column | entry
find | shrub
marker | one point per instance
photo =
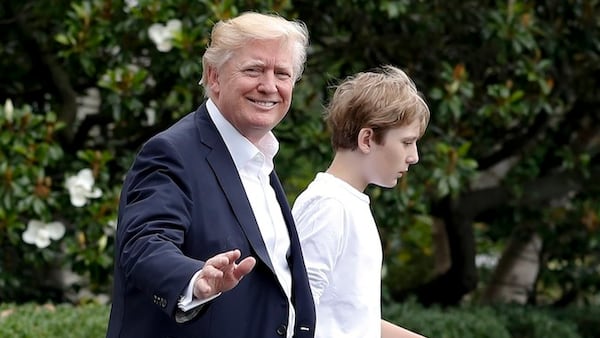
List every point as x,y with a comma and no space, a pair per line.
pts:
507,321
585,318
57,211
498,321
530,322
65,321
451,323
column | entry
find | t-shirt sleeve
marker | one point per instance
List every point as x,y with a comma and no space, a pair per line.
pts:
320,225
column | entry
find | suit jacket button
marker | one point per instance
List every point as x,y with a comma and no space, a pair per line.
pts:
282,330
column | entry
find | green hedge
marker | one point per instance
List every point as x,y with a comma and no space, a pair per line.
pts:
455,323
587,319
49,321
90,320
504,321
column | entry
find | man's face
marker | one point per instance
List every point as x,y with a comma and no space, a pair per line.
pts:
253,89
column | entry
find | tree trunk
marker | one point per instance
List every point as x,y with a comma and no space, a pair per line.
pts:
514,278
459,275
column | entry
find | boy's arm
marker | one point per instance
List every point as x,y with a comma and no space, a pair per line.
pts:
389,330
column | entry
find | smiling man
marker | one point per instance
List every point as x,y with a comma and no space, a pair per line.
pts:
253,90
206,243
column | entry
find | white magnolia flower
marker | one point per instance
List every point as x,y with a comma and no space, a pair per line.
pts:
130,4
486,260
81,188
111,227
150,116
163,35
40,233
9,109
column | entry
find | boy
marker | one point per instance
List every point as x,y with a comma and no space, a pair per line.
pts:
375,119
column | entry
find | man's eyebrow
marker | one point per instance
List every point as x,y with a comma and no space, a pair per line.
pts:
252,63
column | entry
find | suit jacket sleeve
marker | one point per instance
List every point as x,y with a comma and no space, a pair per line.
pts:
154,220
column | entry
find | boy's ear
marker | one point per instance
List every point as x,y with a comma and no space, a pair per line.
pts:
365,137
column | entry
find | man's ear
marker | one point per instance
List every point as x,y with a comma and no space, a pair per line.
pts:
365,138
213,80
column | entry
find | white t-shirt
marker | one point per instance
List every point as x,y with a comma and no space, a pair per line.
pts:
343,256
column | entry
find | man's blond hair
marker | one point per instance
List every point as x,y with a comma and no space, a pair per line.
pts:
229,35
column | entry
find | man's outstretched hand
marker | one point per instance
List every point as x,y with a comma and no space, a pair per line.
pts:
221,273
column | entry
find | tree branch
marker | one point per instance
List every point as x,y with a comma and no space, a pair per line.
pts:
44,63
540,190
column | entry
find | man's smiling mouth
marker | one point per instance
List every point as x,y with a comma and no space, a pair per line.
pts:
267,104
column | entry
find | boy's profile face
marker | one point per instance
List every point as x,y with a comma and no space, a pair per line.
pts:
390,159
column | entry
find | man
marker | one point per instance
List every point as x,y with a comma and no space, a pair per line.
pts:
206,244
375,119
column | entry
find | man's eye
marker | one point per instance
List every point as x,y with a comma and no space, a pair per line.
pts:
252,71
283,75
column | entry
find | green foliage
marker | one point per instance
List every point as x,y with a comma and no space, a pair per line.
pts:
33,184
49,320
506,321
571,271
510,321
505,81
454,324
535,323
585,318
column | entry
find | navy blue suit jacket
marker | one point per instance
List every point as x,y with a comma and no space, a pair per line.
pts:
183,202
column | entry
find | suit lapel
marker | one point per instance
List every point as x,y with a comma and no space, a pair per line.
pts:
301,293
224,169
294,258
283,204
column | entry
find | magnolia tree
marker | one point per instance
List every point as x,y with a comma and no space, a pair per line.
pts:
112,74
58,213
508,165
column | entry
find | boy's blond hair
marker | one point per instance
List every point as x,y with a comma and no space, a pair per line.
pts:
381,99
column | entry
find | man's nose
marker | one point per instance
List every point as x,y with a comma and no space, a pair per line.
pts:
267,83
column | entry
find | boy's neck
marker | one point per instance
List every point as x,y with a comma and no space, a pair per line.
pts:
346,166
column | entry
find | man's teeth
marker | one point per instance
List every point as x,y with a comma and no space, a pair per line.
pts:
265,103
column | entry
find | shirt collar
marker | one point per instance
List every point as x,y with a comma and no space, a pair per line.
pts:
241,149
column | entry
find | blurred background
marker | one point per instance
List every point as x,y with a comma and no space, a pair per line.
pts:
502,209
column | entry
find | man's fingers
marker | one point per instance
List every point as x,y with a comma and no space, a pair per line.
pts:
224,264
244,267
223,259
210,271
